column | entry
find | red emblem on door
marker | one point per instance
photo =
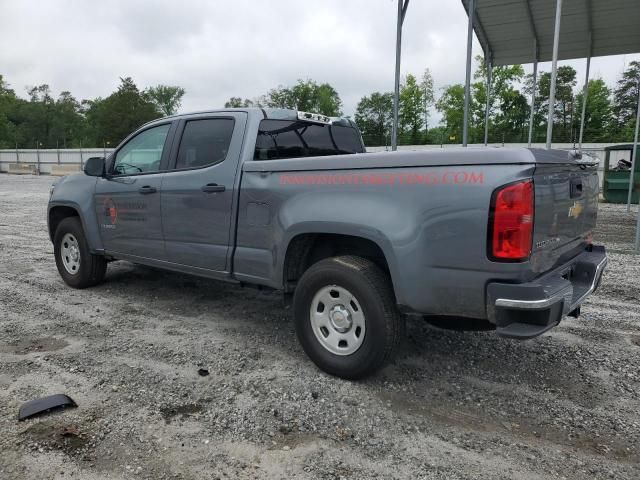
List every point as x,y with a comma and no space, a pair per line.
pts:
110,210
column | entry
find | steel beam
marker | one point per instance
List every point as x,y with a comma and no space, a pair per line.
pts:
533,95
633,155
532,24
536,56
585,94
633,170
489,65
554,72
402,11
467,82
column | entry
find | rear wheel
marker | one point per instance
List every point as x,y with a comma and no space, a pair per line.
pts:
346,317
76,265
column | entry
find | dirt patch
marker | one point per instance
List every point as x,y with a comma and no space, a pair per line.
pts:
26,346
180,411
54,435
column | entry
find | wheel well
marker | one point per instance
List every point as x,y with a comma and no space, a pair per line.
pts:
56,215
306,249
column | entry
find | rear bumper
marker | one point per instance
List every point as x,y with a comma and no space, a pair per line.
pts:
526,310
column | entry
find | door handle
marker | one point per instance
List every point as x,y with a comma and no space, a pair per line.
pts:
147,190
213,187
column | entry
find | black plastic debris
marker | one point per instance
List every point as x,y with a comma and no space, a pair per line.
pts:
45,405
203,372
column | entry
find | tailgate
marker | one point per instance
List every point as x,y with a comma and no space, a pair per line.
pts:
566,206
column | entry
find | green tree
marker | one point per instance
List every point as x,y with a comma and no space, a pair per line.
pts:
451,106
8,102
507,106
564,108
625,102
113,118
42,121
411,114
597,120
374,116
307,96
70,124
438,135
35,119
428,96
166,98
508,109
238,102
511,120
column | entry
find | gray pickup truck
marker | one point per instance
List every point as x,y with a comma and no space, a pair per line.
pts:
290,201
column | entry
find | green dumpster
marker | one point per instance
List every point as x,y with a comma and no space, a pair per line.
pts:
617,168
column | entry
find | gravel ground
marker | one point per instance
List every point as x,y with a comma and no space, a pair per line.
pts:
453,405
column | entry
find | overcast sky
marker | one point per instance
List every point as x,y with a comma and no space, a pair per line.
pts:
218,49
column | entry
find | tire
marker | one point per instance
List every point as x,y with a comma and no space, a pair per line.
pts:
76,265
327,321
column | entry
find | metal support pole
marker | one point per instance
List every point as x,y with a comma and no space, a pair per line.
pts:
467,82
585,94
486,111
402,10
17,154
38,155
533,97
58,151
554,73
81,161
633,170
638,232
635,152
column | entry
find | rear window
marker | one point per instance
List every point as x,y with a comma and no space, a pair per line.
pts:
294,139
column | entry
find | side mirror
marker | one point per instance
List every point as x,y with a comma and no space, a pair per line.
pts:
94,166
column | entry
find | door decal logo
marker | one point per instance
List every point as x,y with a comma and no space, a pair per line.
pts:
110,210
575,210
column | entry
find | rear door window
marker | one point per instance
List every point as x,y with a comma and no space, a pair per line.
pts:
294,139
204,142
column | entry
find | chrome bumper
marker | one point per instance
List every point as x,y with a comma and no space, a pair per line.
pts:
527,310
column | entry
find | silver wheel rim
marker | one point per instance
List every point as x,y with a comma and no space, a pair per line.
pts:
337,320
70,253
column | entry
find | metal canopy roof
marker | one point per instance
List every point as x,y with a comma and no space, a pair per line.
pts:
509,29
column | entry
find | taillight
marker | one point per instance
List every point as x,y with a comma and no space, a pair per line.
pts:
511,222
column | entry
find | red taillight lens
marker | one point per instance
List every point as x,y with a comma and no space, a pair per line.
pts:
512,222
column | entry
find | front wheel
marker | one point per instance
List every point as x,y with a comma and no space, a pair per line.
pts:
345,316
76,265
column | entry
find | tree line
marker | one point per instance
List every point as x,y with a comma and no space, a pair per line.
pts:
609,117
304,95
47,122
42,121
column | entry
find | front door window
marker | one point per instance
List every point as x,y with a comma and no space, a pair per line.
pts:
142,153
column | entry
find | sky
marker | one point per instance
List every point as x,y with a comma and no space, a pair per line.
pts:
217,49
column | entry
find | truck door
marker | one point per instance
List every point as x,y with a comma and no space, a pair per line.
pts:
198,191
127,201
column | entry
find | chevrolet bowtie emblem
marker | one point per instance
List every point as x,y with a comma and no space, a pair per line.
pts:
575,210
